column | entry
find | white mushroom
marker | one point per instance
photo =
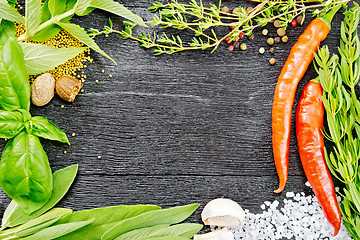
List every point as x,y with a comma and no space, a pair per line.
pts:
222,234
223,212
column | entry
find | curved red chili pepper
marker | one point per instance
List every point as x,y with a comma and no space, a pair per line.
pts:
301,55
309,126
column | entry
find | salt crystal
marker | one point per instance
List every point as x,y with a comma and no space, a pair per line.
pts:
290,194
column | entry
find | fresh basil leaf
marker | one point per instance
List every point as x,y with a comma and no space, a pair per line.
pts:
25,173
14,84
148,219
166,238
10,13
58,230
63,179
7,30
118,9
32,16
141,233
105,218
57,7
79,33
41,58
36,228
11,123
42,127
82,7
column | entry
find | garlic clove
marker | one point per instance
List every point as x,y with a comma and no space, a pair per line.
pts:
222,234
223,212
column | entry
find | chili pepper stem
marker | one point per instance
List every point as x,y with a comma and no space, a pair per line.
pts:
327,18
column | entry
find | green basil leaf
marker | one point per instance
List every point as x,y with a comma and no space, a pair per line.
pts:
41,58
58,230
105,218
141,233
25,173
12,2
166,238
148,219
82,7
57,7
79,33
10,13
32,16
63,179
11,123
14,84
42,127
7,30
37,227
118,9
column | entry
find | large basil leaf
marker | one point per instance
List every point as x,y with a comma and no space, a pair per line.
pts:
149,219
118,9
11,123
63,179
25,173
14,84
79,33
10,13
41,58
82,7
105,218
42,127
7,30
57,7
32,16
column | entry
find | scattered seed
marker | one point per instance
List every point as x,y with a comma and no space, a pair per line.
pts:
228,40
281,32
82,90
270,41
249,10
110,75
82,80
96,81
284,39
106,35
62,106
225,10
300,20
243,46
235,11
277,23
99,157
293,23
73,134
251,37
272,61
236,45
261,50
231,47
272,50
65,152
265,32
277,40
103,71
241,35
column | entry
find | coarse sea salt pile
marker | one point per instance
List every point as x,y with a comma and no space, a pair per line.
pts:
299,217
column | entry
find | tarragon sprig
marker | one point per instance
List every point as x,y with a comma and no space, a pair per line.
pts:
338,77
203,21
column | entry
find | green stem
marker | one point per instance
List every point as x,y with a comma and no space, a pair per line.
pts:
327,18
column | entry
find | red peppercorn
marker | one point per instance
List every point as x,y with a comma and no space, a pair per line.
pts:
231,47
231,27
241,35
293,23
228,40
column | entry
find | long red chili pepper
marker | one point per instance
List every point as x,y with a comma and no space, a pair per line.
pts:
309,126
301,55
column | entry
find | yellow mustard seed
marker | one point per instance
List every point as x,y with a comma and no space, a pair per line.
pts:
103,71
73,134
110,75
62,106
65,152
82,90
96,81
99,157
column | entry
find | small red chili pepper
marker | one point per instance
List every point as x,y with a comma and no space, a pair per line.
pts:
231,47
293,23
241,35
228,40
309,126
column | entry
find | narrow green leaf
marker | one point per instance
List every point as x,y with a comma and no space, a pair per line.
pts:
63,179
37,227
166,238
157,217
118,9
7,30
25,173
41,58
42,127
14,84
32,16
79,33
105,218
10,13
58,230
11,123
141,233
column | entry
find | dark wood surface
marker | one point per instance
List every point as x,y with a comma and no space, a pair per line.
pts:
174,129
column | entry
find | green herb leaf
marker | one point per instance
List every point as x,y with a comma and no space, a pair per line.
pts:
148,219
82,7
118,9
105,218
37,227
11,123
58,230
41,58
14,84
7,30
42,127
10,13
63,179
79,33
57,7
25,173
32,16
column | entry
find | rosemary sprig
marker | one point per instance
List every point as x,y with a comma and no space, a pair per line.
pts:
339,76
202,22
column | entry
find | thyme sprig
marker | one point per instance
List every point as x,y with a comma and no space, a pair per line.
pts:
338,77
202,21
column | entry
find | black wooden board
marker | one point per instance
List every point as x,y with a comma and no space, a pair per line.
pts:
174,129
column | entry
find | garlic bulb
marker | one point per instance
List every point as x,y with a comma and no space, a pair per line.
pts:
223,212
222,234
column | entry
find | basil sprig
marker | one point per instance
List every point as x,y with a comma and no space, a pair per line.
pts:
25,173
